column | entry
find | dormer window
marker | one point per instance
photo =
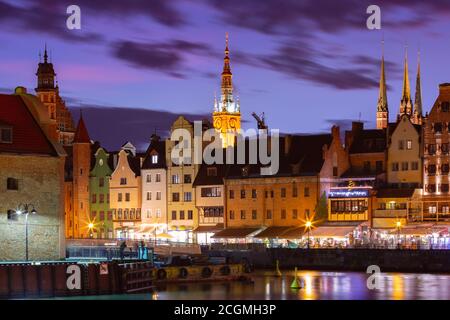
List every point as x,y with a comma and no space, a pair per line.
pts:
154,158
5,135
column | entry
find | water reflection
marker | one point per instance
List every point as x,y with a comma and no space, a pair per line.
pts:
317,285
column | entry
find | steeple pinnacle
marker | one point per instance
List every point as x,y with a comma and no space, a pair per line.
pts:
406,103
382,104
45,54
418,96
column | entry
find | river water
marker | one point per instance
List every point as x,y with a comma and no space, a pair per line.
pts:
316,285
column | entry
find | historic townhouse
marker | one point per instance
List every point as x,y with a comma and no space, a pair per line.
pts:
31,180
209,200
154,189
101,214
125,195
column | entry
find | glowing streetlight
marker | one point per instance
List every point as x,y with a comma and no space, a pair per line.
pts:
398,225
91,228
24,209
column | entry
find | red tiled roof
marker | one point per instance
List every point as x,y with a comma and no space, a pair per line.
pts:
27,135
81,134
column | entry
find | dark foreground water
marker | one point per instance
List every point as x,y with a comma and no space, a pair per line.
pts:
316,285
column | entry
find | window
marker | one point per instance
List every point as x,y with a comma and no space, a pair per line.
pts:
211,192
269,214
242,214
306,192
445,106
174,215
188,196
283,214
127,197
110,215
283,192
123,181
158,213
5,135
211,172
102,215
175,197
181,214
158,195
231,215
405,165
431,148
294,214
444,148
431,188
414,165
158,177
254,193
12,184
149,178
444,187
242,194
294,191
395,166
187,178
175,179
119,197
271,193
408,144
93,215
149,213
190,215
401,145
149,196
101,182
432,209
154,158
431,169
307,213
335,171
102,198
437,127
254,214
231,195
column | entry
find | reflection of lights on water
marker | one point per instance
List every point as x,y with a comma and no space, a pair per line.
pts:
267,289
308,286
398,287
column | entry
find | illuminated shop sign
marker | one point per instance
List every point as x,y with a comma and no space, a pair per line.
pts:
348,193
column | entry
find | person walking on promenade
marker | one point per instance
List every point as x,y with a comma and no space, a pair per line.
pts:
123,246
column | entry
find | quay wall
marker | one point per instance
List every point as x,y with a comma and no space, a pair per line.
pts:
433,261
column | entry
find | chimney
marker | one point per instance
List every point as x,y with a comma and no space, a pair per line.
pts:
336,133
444,91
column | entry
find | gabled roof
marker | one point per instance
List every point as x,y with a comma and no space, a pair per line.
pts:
27,135
203,179
158,147
369,141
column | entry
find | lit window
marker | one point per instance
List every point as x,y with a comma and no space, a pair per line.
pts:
155,158
409,144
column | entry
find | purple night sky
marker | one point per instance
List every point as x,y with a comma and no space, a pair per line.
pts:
135,65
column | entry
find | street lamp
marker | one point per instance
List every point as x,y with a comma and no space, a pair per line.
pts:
91,228
398,225
24,209
308,226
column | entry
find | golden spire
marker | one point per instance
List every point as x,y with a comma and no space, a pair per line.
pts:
382,96
406,92
227,86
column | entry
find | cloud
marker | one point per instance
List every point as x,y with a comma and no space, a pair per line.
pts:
113,126
166,57
294,18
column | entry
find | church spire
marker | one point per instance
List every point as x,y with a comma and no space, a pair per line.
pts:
382,105
45,54
226,83
406,103
418,97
